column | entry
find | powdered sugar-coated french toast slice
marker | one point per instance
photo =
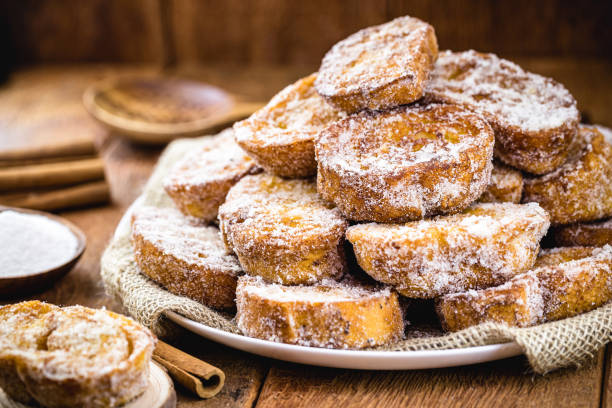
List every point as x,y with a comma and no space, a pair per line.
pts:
344,315
484,246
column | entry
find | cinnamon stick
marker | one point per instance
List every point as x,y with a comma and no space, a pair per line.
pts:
67,197
199,377
83,147
51,174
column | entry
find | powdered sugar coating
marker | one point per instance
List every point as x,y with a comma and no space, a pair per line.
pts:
534,118
380,66
585,234
404,164
506,185
200,181
564,282
606,132
484,246
282,230
186,257
330,314
104,357
280,136
517,302
583,184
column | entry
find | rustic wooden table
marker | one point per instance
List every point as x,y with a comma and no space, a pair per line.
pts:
254,381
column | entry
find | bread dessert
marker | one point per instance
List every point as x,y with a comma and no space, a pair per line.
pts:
564,283
583,184
280,136
535,118
585,234
517,302
186,257
283,231
379,67
506,185
404,164
72,356
484,246
199,182
344,315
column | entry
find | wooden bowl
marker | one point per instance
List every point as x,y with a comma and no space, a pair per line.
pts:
14,286
157,110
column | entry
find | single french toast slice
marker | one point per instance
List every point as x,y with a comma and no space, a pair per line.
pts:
585,234
574,280
564,282
73,356
200,181
184,256
506,185
581,189
280,136
343,315
283,231
535,118
406,163
379,67
517,302
484,246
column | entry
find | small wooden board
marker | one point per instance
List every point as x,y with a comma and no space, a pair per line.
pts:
159,394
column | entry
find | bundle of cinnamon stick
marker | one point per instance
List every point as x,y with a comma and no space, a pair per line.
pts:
53,177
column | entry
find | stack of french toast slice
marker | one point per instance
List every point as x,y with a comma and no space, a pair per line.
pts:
439,173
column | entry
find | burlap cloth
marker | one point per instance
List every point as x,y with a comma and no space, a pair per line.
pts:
548,346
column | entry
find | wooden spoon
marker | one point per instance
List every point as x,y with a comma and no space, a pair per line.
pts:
21,285
155,110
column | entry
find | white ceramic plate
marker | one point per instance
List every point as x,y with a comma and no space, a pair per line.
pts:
354,359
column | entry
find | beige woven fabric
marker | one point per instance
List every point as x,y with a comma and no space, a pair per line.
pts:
548,347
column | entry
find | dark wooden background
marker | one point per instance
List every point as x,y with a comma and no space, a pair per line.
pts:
269,32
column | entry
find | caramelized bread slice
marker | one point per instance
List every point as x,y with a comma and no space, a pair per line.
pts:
379,67
585,234
280,136
535,118
184,256
564,283
73,356
344,315
200,181
406,163
484,246
581,189
283,231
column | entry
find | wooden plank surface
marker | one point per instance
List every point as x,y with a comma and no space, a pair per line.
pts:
503,383
606,391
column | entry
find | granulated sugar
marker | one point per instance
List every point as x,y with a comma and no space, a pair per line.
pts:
33,243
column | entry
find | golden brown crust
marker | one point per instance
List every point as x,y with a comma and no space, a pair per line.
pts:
585,234
581,189
280,136
506,185
73,356
515,303
283,231
199,183
535,118
404,164
379,67
581,282
331,314
484,246
187,258
564,283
